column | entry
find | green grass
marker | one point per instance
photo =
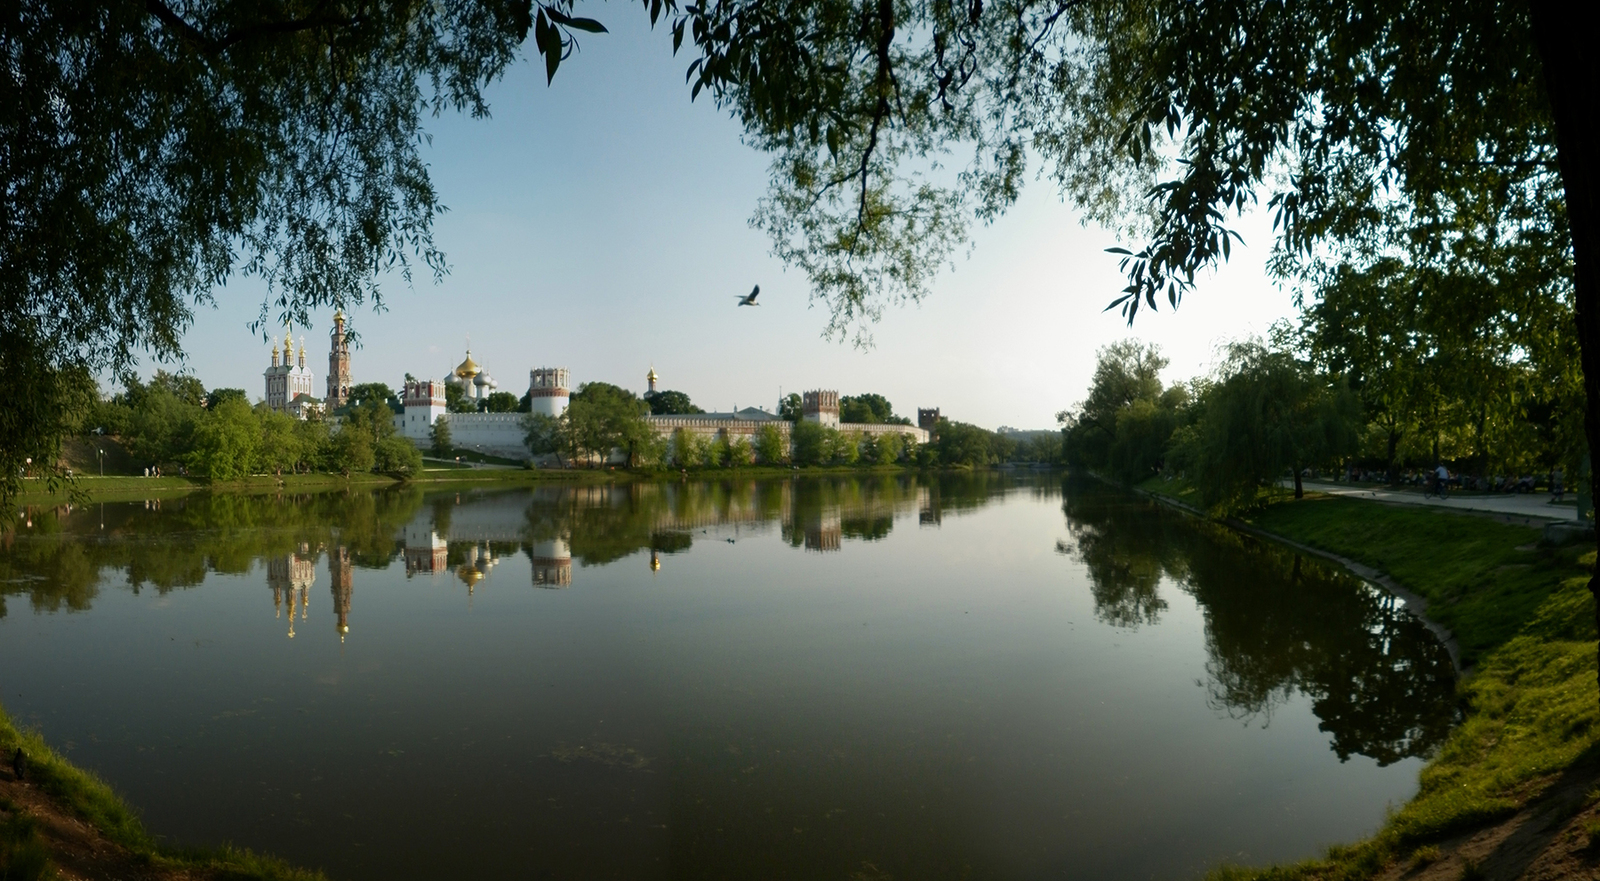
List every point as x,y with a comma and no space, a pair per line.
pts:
24,856
89,798
1524,620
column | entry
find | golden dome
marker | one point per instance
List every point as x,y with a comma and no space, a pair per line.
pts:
468,367
652,375
338,315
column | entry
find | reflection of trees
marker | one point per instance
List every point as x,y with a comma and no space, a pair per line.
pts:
1276,624
59,558
1126,551
63,559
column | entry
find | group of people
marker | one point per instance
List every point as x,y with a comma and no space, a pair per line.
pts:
1438,480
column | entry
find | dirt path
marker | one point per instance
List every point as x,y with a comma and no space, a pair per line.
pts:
78,849
1550,838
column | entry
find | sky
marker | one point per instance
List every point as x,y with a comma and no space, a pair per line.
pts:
601,224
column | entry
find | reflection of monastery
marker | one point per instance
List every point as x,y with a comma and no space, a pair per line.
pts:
462,540
289,385
290,577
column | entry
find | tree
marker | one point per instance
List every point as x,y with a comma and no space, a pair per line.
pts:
867,408
740,452
543,433
217,396
969,445
456,400
667,403
222,111
689,449
1267,412
279,446
351,451
314,441
439,438
602,417
770,446
502,402
791,408
887,449
225,442
397,455
364,393
1124,424
812,446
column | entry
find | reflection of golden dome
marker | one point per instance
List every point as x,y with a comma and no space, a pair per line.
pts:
468,367
469,575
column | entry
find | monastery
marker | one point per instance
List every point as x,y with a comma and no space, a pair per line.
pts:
423,402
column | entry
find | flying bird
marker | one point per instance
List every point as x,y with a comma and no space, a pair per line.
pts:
750,299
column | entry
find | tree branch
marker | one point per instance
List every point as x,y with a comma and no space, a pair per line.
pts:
216,45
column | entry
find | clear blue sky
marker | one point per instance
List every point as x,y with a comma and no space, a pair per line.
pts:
600,224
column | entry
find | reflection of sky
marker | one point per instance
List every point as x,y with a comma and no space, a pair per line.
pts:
940,698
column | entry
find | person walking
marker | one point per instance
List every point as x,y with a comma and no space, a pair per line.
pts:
1558,489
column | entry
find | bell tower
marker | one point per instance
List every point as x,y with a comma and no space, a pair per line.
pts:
338,365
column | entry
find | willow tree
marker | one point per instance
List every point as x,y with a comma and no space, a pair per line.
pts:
151,150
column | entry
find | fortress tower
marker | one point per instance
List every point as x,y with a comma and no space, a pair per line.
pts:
928,419
547,390
424,403
338,365
822,407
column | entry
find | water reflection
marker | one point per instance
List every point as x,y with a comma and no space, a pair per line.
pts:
737,678
60,558
1276,623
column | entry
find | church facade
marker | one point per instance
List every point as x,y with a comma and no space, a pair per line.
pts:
289,382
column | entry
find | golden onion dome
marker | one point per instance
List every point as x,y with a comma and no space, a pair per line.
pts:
338,315
652,375
468,367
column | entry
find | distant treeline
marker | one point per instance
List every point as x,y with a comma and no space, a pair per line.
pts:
1314,399
174,423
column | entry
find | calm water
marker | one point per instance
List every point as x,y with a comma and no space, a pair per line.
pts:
983,677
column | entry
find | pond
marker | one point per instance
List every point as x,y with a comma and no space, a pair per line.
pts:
986,675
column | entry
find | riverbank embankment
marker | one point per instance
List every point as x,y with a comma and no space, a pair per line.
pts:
1515,790
60,821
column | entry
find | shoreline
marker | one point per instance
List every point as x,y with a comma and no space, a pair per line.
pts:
62,821
1515,790
1415,603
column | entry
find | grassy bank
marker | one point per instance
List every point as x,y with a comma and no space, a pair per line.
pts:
57,789
1524,620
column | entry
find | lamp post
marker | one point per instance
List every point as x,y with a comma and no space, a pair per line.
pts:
100,454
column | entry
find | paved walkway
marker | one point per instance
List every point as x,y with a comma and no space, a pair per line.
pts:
1520,505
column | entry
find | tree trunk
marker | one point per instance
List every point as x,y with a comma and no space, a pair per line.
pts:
1394,443
1572,82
